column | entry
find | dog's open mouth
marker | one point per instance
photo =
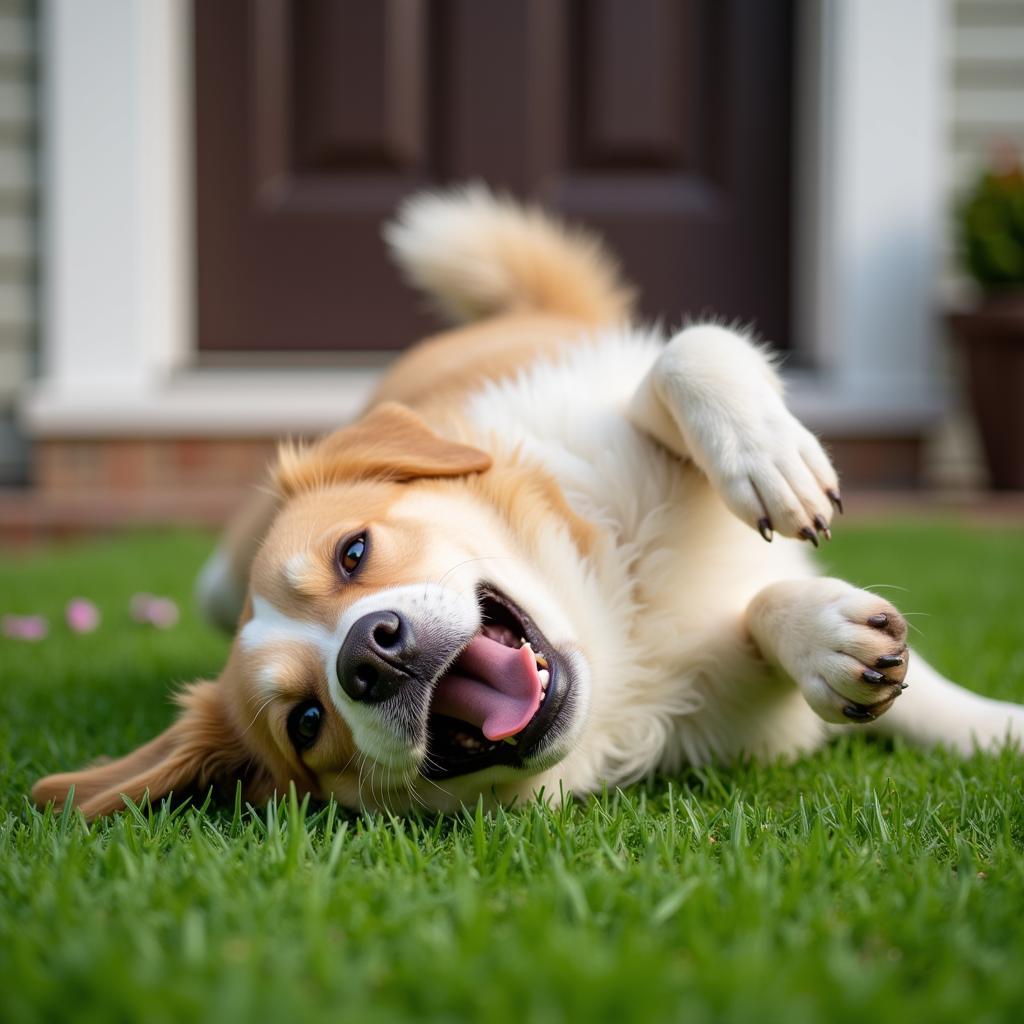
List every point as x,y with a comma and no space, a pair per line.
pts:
499,699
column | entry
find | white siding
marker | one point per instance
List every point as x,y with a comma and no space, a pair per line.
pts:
986,79
18,206
987,72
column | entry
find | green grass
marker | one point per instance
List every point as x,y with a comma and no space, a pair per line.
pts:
863,884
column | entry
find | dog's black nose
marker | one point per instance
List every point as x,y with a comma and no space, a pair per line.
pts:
376,657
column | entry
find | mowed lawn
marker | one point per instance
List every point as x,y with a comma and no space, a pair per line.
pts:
863,884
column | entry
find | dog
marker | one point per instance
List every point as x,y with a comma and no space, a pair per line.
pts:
557,552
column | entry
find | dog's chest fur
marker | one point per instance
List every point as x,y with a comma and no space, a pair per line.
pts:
664,593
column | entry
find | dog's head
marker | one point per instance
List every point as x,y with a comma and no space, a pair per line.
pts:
402,640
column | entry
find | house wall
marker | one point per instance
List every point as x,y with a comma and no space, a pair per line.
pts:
986,90
19,195
987,76
119,369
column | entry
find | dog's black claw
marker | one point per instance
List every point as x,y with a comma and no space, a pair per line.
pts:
903,686
888,661
764,527
871,676
858,713
833,496
809,534
879,621
822,527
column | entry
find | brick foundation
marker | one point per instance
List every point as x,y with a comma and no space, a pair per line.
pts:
138,466
878,463
87,486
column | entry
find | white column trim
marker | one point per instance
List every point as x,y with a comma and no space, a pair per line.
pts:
871,163
117,215
118,255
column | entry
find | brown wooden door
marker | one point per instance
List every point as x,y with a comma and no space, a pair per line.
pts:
663,123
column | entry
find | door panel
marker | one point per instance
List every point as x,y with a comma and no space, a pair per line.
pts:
629,84
665,124
375,54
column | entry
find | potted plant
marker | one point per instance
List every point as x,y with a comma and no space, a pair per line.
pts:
991,334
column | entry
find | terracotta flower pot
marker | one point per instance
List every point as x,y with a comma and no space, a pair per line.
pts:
991,337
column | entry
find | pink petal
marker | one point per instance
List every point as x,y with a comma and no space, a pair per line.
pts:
140,607
82,615
163,613
25,627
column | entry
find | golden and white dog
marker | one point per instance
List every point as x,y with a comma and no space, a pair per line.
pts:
538,561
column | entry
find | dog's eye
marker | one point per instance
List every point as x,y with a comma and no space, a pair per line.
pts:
350,554
304,724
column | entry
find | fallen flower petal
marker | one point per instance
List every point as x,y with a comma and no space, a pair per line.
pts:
82,615
139,607
163,613
25,627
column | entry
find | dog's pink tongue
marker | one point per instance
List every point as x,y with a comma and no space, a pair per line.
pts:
493,687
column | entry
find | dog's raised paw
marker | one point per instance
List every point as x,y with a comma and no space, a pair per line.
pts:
778,478
723,394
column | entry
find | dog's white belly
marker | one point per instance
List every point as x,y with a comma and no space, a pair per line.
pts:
660,606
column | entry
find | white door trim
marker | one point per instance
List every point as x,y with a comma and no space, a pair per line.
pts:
870,194
116,182
118,330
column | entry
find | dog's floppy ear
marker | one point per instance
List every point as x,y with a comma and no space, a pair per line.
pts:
390,442
201,748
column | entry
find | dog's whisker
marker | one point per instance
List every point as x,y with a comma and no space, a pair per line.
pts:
480,558
373,791
344,768
259,711
429,762
415,798
910,625
359,785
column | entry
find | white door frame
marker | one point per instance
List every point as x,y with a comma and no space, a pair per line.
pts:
118,328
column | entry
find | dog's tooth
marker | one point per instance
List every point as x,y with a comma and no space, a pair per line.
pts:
511,741
545,677
542,662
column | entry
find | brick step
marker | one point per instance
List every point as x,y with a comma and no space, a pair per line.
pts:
33,515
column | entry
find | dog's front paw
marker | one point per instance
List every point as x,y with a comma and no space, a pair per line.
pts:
845,648
773,473
723,395
855,668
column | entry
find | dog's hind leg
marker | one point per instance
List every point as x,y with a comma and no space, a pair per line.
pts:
845,649
714,397
935,711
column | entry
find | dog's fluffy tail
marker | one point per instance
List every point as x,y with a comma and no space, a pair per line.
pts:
476,254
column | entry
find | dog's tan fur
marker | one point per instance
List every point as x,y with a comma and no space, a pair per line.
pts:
611,484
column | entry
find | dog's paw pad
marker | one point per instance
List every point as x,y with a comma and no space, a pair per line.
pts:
851,663
867,666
